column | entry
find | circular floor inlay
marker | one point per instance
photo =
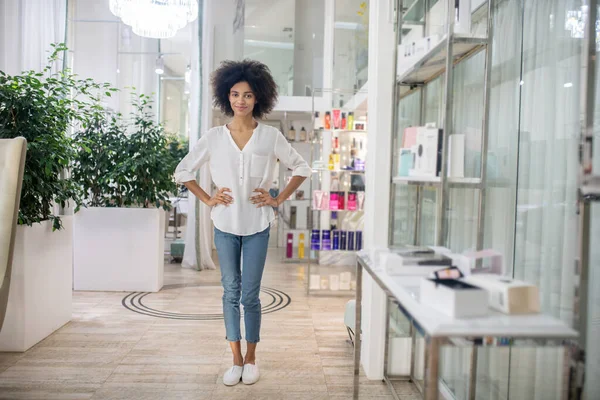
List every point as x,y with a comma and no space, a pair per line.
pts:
277,300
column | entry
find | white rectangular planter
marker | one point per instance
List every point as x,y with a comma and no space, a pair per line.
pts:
41,295
119,249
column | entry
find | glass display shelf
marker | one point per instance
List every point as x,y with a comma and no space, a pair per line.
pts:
433,63
437,181
351,171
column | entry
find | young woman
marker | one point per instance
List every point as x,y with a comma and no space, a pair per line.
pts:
242,157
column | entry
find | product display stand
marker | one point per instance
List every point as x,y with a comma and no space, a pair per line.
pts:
338,151
439,58
439,330
293,214
588,192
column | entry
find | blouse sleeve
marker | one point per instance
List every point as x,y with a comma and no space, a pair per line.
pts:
290,157
198,156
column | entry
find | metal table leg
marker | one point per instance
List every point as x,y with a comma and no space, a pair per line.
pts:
357,328
386,353
432,365
473,374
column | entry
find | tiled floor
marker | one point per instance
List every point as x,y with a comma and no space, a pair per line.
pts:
110,352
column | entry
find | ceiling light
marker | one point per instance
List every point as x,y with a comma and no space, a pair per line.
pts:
160,66
158,19
568,84
188,74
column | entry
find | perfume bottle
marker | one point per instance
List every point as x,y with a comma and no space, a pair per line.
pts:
358,240
326,242
315,240
343,120
292,134
343,240
336,240
341,200
350,121
351,242
290,245
327,120
334,200
351,201
303,135
301,246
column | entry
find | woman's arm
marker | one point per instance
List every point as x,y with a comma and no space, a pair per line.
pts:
292,160
219,198
291,187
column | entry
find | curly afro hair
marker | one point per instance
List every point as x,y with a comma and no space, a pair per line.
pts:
258,77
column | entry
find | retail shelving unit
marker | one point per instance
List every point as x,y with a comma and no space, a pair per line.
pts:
293,214
325,264
449,49
440,61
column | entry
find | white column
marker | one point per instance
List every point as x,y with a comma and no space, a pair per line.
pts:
378,170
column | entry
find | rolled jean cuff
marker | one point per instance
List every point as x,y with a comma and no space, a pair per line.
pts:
233,340
253,341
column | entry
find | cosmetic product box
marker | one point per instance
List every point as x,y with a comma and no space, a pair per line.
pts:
412,51
345,280
407,162
416,264
428,152
409,138
454,297
507,295
490,262
315,282
334,282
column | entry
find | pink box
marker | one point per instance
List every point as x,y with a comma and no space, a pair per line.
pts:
410,137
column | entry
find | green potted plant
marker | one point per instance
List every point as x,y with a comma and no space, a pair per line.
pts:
41,106
125,171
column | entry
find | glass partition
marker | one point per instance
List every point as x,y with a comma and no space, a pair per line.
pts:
529,208
351,40
287,36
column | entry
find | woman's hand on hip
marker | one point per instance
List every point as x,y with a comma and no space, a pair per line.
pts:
263,198
221,197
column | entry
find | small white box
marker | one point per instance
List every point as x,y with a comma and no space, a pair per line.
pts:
508,295
334,282
396,264
315,282
428,154
491,262
345,280
454,298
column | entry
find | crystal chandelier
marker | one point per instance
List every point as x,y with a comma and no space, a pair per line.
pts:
159,19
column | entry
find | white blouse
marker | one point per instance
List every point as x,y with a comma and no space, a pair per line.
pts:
242,171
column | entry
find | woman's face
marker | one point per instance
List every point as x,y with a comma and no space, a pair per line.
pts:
242,99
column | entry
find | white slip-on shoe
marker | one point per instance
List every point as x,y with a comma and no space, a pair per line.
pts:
251,374
233,375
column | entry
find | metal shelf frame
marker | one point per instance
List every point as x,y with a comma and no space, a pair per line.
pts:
440,61
588,191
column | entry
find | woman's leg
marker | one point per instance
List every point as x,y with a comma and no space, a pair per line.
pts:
229,249
254,254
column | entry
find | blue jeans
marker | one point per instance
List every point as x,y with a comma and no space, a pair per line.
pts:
234,252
